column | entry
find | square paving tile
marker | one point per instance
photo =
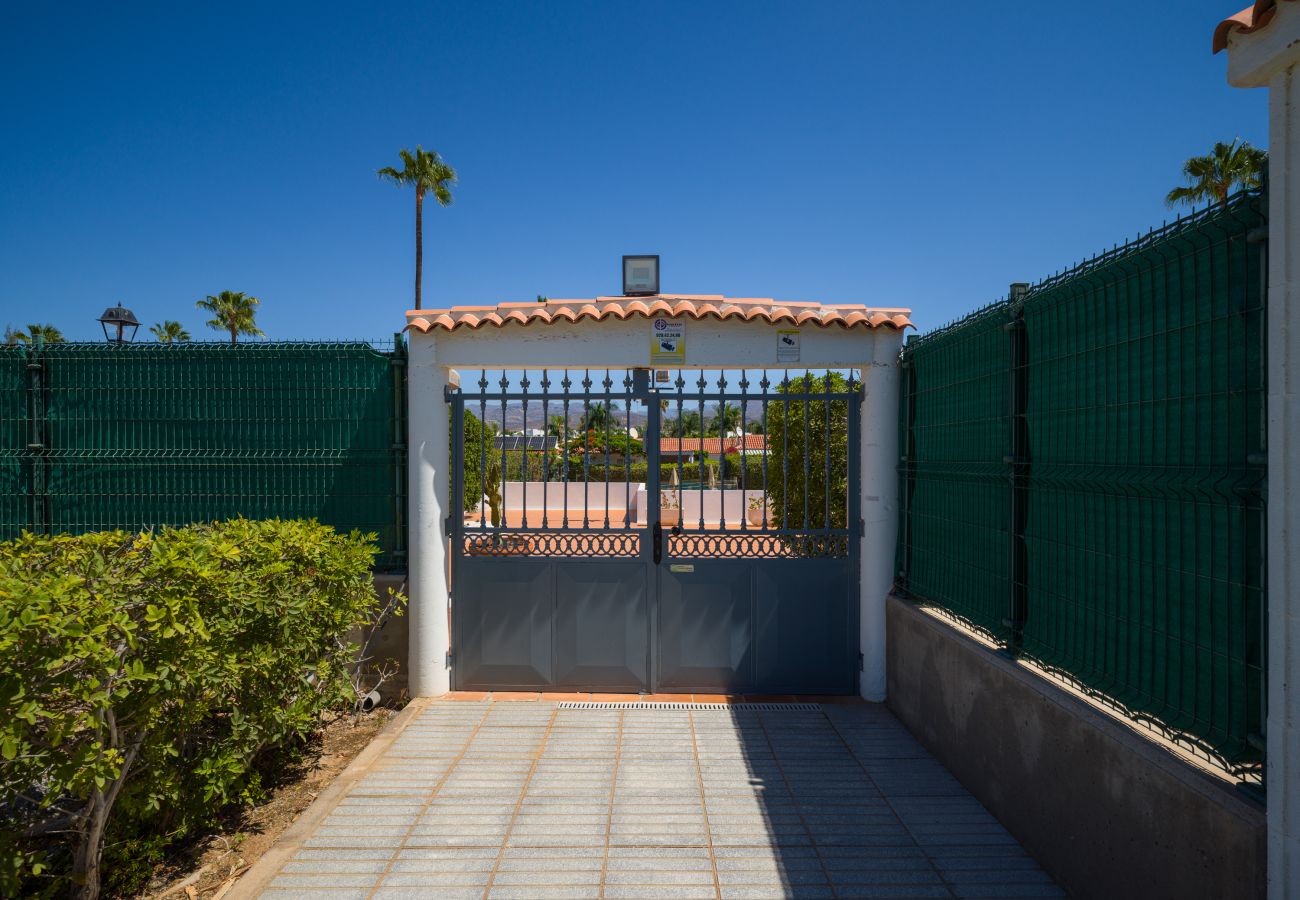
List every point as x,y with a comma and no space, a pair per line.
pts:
479,799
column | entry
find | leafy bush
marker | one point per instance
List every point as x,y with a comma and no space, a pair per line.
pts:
827,441
144,678
478,444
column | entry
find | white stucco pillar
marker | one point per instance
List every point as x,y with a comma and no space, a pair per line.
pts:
1270,57
878,446
429,465
1283,775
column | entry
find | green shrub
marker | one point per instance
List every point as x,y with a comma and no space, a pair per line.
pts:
826,446
144,678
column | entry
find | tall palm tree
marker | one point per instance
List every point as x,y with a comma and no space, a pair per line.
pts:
47,333
232,311
426,171
1212,178
169,332
555,426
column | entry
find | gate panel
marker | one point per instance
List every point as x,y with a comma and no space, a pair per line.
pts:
706,628
806,638
504,625
550,562
758,582
601,618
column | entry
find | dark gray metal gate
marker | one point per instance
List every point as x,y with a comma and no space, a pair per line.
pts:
723,563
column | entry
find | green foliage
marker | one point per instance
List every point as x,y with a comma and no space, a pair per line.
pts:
1211,178
595,440
169,332
425,171
492,493
478,443
788,451
687,425
598,416
144,678
35,333
725,421
232,311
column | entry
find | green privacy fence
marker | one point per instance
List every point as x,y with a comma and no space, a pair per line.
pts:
1082,477
96,436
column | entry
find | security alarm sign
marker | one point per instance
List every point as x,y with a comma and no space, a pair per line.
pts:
787,346
667,342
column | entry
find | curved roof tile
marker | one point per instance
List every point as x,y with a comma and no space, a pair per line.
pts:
691,306
1252,18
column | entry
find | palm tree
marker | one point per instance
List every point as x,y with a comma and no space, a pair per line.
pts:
427,172
169,332
686,425
556,426
600,415
37,332
726,420
232,311
1212,178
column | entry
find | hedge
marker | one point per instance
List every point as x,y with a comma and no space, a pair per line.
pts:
148,680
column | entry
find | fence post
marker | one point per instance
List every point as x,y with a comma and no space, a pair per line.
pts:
397,365
1018,460
906,470
38,496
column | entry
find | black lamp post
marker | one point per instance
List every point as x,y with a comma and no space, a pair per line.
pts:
120,318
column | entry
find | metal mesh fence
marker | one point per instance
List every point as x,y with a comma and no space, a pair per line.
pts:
97,437
1083,477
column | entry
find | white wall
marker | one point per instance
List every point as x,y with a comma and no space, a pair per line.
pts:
618,344
552,495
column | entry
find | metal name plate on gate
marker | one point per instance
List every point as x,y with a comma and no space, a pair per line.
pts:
681,567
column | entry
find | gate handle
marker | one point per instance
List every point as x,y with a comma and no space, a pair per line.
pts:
658,538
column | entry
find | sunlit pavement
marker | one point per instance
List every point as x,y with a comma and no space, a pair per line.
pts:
526,800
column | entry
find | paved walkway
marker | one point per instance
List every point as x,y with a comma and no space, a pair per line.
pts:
527,801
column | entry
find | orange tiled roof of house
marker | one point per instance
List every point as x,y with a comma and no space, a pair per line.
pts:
1252,18
712,445
689,306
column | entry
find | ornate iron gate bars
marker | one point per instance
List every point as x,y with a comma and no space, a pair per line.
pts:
796,475
560,456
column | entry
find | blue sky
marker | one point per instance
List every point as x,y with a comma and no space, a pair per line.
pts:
834,151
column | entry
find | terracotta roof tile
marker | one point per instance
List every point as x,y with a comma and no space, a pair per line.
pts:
1252,18
691,306
712,445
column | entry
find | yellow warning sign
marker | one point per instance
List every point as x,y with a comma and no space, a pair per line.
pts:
667,342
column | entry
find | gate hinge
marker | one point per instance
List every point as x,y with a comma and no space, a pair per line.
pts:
862,662
447,525
450,657
449,391
1257,235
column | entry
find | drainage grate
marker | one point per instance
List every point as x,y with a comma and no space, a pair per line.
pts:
694,707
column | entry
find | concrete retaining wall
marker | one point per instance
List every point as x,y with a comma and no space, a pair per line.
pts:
390,642
1108,812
